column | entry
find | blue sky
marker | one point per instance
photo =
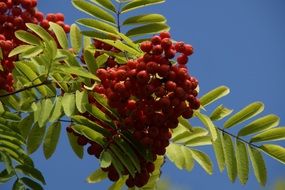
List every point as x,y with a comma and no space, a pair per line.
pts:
237,43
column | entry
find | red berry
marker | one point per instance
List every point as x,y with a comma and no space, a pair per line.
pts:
188,50
143,77
182,59
166,43
165,34
156,40
157,50
59,16
180,46
146,46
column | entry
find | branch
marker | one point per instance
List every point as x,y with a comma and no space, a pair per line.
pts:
25,88
237,137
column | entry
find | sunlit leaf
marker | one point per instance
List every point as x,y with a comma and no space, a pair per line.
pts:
68,104
138,4
81,101
230,158
214,95
57,109
219,153
106,4
242,162
98,25
275,151
220,112
27,37
20,49
90,60
144,19
208,123
41,32
275,134
60,35
51,139
105,159
244,114
46,108
263,123
258,165
97,176
203,160
75,38
147,29
181,156
93,10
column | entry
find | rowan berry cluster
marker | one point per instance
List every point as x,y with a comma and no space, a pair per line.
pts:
14,14
150,93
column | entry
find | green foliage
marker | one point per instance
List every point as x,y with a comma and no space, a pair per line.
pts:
52,83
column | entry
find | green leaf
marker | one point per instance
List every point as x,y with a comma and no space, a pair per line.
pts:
27,37
51,139
77,149
106,4
230,158
57,109
123,159
182,135
263,123
68,104
244,114
75,38
199,141
35,138
144,19
26,70
203,160
185,123
79,71
20,49
60,35
33,52
275,151
220,112
97,113
18,185
118,184
32,184
121,46
90,124
129,151
97,176
81,101
214,95
90,134
138,4
181,156
258,165
275,134
208,123
90,60
147,29
46,108
25,125
100,60
31,172
41,32
93,10
242,162
105,159
219,153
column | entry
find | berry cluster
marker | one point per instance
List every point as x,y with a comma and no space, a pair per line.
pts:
150,93
14,14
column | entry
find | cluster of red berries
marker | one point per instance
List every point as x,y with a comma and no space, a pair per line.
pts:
14,14
150,93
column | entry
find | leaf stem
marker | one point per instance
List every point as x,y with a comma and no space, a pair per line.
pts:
237,137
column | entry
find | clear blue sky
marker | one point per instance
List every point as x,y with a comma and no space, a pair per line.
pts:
240,44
